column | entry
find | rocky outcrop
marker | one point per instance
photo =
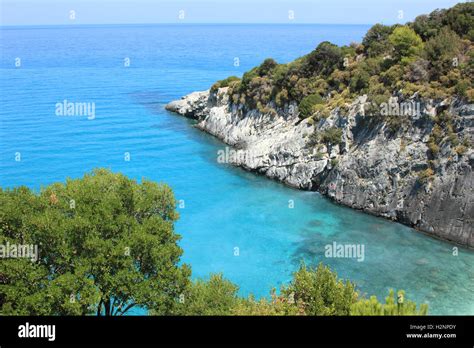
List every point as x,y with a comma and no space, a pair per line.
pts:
373,168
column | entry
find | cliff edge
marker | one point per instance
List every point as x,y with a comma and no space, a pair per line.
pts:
370,168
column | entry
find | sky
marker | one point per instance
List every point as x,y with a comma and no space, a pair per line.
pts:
64,12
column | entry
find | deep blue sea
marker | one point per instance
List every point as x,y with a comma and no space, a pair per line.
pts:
225,207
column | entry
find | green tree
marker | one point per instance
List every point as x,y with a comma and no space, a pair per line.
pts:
441,50
217,296
267,66
332,136
376,42
460,19
406,42
319,292
323,60
359,81
306,106
106,245
427,25
224,83
392,306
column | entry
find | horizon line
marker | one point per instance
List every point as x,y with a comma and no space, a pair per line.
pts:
178,23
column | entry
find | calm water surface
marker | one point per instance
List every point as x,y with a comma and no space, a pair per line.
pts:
225,207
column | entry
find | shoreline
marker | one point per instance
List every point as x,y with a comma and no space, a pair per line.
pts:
333,201
219,118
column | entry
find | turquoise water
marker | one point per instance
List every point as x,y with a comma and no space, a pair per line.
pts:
225,207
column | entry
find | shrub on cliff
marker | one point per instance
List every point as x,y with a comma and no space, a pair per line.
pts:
432,56
376,41
425,176
406,42
323,60
442,51
331,136
459,18
267,66
224,83
360,80
306,106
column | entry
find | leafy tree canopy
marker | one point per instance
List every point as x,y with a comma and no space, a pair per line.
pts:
406,42
376,42
106,244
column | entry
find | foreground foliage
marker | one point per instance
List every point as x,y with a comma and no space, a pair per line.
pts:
107,245
315,291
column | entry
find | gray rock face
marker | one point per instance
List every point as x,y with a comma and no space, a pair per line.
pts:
372,169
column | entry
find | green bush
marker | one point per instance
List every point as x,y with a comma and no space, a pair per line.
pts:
425,175
405,41
247,78
440,51
360,81
392,306
306,106
312,291
462,87
267,67
332,136
224,83
323,60
425,26
320,292
217,296
376,42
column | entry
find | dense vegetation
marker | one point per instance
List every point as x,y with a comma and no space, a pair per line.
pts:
433,56
315,291
107,244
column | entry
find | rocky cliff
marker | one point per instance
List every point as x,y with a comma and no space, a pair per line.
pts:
382,171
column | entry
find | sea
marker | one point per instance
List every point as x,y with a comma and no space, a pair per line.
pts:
254,231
